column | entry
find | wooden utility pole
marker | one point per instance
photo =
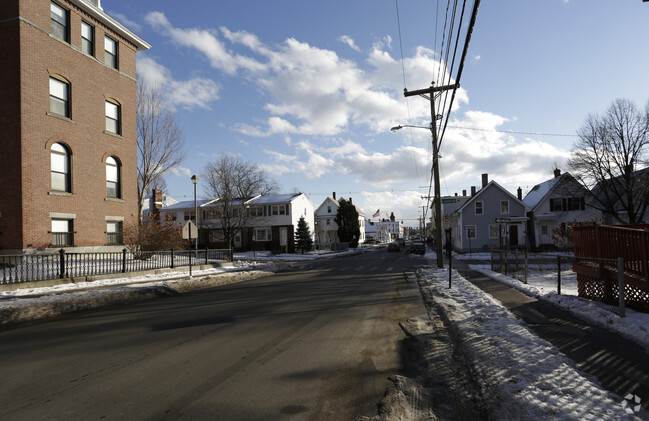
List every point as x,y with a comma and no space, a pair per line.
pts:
433,128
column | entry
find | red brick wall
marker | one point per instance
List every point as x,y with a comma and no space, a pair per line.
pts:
91,84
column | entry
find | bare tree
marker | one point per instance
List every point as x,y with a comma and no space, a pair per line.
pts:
160,141
233,181
606,158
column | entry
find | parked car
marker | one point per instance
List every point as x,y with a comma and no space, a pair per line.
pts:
418,247
401,242
393,246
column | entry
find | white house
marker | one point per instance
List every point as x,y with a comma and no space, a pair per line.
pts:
272,225
325,220
555,203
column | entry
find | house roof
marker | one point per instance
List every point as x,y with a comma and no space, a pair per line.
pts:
483,190
271,199
538,192
185,204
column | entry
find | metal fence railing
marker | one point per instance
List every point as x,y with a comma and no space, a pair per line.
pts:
62,264
519,264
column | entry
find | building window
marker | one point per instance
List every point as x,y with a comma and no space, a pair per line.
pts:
470,232
60,96
114,233
190,216
504,207
111,52
262,234
544,230
478,208
493,230
113,117
113,187
59,22
329,209
328,222
62,233
275,210
87,38
60,168
216,236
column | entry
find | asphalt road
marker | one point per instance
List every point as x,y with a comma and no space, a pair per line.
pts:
317,343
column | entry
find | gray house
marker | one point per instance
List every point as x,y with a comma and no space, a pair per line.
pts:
491,218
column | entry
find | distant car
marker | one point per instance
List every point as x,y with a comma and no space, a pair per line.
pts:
401,242
393,246
418,247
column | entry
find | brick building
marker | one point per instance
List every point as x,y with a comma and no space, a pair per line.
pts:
68,167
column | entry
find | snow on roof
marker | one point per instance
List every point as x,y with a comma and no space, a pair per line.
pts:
275,198
185,204
539,191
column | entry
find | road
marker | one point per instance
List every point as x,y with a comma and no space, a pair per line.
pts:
316,343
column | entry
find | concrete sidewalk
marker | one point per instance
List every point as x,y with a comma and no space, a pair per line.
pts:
620,365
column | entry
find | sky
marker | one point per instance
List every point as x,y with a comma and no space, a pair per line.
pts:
308,90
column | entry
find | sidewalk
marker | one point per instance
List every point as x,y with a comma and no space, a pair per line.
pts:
620,365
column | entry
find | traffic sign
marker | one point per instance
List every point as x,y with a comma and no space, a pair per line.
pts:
503,220
189,230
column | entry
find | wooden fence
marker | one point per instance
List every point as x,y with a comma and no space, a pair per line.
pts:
599,280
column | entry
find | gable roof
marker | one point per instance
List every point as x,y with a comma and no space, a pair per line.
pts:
185,204
482,192
541,191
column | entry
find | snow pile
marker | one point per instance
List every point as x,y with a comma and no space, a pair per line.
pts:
521,375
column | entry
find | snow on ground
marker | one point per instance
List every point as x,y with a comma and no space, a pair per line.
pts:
522,376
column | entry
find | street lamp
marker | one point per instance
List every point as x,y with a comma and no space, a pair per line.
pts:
195,181
437,196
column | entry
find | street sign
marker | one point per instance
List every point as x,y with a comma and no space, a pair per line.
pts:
189,230
503,220
451,200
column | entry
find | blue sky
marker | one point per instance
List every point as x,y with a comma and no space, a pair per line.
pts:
309,90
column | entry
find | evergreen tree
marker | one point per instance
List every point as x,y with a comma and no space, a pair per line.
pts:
349,230
303,236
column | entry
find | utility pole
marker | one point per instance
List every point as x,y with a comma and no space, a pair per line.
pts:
433,128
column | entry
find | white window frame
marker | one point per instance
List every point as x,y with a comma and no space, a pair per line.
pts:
493,231
471,228
504,207
481,203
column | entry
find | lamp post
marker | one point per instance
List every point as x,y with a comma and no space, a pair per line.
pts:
437,196
195,181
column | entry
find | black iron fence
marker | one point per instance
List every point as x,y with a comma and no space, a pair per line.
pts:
62,264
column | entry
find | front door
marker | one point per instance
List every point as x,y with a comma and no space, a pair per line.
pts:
513,235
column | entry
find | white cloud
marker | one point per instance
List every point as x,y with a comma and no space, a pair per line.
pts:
192,93
350,42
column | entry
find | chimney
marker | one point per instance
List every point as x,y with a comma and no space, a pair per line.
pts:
455,194
464,193
557,172
350,201
519,193
485,180
472,191
334,195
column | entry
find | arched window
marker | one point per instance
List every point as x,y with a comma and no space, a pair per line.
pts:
60,168
113,183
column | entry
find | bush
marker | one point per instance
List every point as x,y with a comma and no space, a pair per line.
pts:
150,235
